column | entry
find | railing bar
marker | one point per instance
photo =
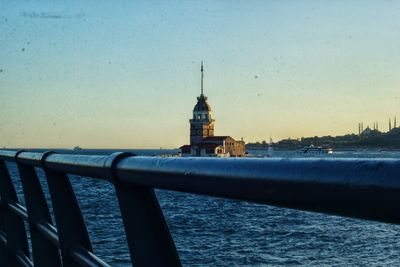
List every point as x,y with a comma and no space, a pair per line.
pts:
18,209
86,258
23,260
150,242
44,253
71,226
13,225
48,231
3,238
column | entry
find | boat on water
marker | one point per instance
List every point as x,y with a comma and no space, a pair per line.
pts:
317,149
77,148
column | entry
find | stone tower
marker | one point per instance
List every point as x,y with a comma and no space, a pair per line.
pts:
202,123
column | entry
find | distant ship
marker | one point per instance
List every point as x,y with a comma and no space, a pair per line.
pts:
317,149
77,148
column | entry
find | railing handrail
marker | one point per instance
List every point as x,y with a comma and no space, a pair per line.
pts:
214,176
349,171
361,188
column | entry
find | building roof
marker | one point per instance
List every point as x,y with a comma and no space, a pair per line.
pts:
201,145
202,104
216,138
204,145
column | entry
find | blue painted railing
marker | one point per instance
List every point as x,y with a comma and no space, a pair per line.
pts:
361,188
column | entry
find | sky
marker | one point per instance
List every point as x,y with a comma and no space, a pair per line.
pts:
126,74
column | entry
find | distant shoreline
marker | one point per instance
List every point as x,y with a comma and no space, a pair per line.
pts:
334,149
367,140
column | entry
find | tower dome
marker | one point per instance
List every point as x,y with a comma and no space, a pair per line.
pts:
202,104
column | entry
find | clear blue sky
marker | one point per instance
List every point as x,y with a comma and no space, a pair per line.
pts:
125,74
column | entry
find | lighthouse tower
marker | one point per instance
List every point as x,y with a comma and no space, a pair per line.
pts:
202,123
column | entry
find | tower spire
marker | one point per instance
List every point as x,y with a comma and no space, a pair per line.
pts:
202,76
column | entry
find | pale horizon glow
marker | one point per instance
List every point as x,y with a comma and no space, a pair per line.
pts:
126,74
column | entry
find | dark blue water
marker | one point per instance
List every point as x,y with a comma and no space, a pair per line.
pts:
219,232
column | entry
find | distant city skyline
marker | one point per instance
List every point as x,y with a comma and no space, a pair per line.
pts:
126,74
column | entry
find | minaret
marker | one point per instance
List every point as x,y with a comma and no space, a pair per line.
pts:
202,122
394,124
390,125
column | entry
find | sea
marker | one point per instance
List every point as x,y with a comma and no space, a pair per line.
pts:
211,231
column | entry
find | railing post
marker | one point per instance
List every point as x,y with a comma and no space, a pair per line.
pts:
14,226
3,238
45,253
71,226
149,239
150,242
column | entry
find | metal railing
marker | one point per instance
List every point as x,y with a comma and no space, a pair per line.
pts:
361,188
